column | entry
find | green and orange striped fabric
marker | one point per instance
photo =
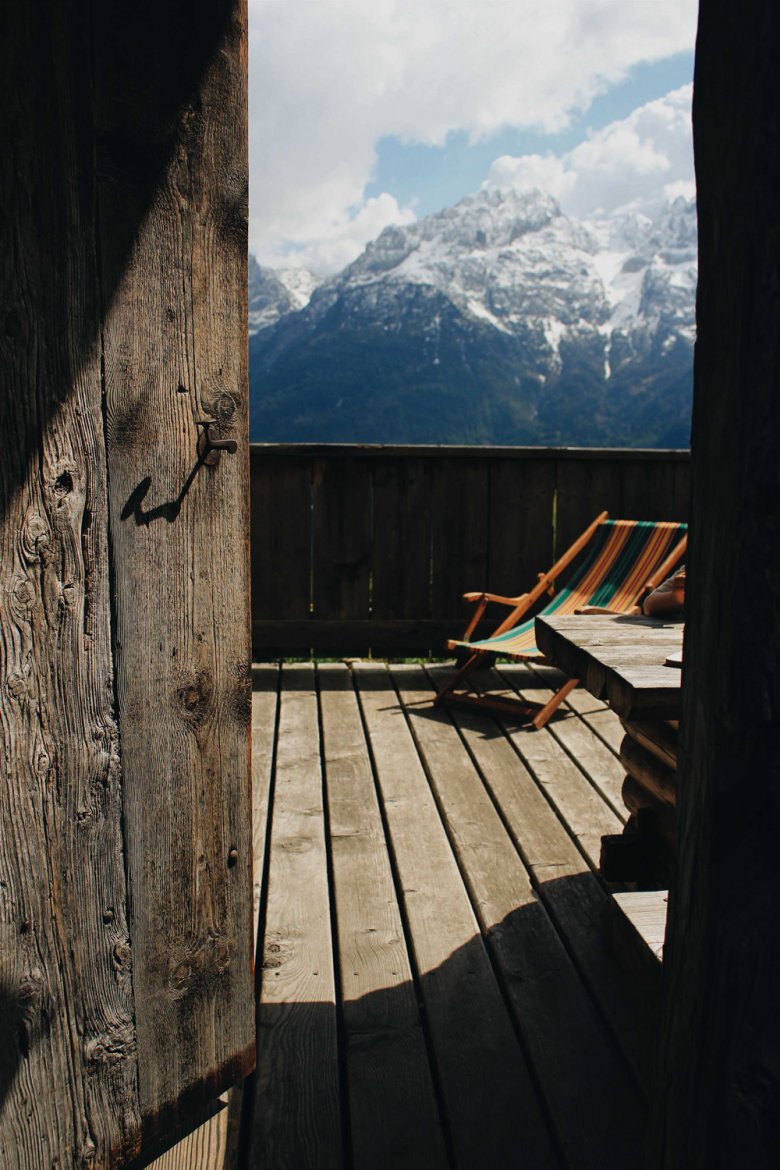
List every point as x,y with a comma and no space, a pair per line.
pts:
623,555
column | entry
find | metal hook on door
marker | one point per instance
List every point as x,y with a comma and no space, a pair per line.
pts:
210,450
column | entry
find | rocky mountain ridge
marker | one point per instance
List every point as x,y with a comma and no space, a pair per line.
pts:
497,320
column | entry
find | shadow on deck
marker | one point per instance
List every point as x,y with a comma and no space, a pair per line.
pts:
435,988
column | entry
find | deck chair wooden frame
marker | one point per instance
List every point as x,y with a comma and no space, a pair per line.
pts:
536,713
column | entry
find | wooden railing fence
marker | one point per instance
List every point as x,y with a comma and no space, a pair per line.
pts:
369,549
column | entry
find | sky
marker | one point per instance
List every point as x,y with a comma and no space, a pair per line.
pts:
365,113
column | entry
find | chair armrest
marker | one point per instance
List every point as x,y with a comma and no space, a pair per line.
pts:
482,600
497,597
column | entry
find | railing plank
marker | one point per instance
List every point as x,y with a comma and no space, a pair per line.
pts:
358,548
650,492
281,537
520,524
459,532
584,488
401,565
341,539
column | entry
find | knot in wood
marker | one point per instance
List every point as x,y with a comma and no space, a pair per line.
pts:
297,844
36,537
179,978
69,596
122,956
23,594
221,953
17,685
275,951
194,696
87,1154
63,484
110,1046
241,693
223,407
30,994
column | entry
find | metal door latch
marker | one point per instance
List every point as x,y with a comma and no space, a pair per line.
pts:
210,450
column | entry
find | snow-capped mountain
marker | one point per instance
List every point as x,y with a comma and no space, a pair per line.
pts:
497,320
274,292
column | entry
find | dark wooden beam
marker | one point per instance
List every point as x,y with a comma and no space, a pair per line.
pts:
718,1099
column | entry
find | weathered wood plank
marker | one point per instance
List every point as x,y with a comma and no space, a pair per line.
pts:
647,770
280,539
295,1096
445,520
621,659
68,1060
459,533
595,713
520,525
401,558
265,704
581,743
563,878
635,927
583,490
646,910
658,736
492,1112
341,539
393,1114
582,807
720,1056
173,166
596,1111
213,1145
393,638
652,492
671,456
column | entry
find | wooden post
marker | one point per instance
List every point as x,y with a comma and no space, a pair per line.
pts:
68,1062
126,997
718,1093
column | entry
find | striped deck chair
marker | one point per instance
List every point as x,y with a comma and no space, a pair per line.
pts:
624,560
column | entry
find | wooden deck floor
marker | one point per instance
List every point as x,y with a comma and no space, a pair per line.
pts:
435,986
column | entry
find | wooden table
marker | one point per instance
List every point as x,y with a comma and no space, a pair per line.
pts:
620,659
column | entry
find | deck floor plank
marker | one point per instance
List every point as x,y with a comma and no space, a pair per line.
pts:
574,734
437,991
594,712
597,1111
493,1113
212,1145
393,1113
265,697
296,1117
577,802
573,895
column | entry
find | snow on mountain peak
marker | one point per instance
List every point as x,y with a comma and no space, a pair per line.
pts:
501,319
274,292
514,262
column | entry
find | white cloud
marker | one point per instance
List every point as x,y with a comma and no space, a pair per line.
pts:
338,242
329,78
637,161
547,172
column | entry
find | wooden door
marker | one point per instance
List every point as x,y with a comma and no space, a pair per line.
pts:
126,990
